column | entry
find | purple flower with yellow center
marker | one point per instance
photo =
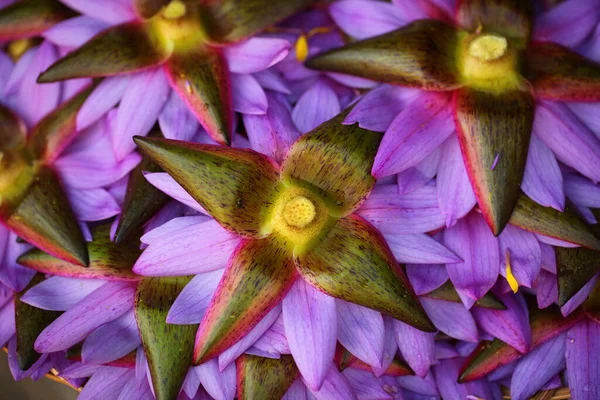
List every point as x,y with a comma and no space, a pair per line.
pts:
189,41
484,77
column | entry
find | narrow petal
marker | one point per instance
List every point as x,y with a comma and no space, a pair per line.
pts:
93,204
250,98
417,130
368,386
176,120
106,383
417,347
524,254
316,105
426,386
7,328
454,190
583,370
546,289
427,277
74,32
258,275
111,341
361,331
354,263
110,11
390,347
335,387
579,298
106,95
168,185
60,294
473,242
362,19
241,174
220,385
451,318
256,54
264,378
567,24
419,249
494,132
192,302
421,174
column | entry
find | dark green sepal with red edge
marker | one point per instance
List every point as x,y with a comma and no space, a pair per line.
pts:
264,378
344,359
28,18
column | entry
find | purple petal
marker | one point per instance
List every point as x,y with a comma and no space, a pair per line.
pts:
60,294
446,376
136,390
548,258
427,277
176,120
418,130
165,183
12,274
7,327
418,176
455,193
451,318
106,383
568,23
250,98
74,32
444,350
256,54
105,304
296,392
110,11
367,386
426,386
178,254
229,355
472,241
79,370
537,367
417,347
143,100
554,242
111,341
310,322
362,19
510,325
6,67
93,204
589,113
335,387
361,331
108,93
192,302
546,289
390,347
271,80
525,254
170,227
582,191
317,105
579,297
220,385
273,341
419,249
570,140
583,365
79,171
18,72
191,383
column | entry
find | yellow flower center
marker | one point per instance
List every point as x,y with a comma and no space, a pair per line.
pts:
174,10
488,47
179,24
299,212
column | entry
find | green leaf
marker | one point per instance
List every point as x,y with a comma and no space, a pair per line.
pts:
354,263
124,48
264,378
447,292
27,18
334,161
510,18
494,131
421,54
236,187
202,79
258,276
168,347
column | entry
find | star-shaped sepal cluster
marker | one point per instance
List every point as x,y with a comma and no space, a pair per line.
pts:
296,222
32,201
486,58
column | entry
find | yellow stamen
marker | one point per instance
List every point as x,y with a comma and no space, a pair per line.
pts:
18,47
510,278
488,47
299,212
301,48
174,10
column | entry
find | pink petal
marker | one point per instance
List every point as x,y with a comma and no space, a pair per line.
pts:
296,392
256,54
176,120
250,98
451,318
111,341
273,341
417,347
60,294
110,11
93,204
317,105
310,322
362,18
361,331
192,302
106,95
543,181
166,184
75,31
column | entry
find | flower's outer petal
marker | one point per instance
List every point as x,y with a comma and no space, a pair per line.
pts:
426,277
353,262
229,21
417,130
179,253
136,389
348,153
565,226
106,383
93,204
537,367
176,120
455,193
272,134
421,174
575,268
398,57
25,19
546,289
110,11
335,387
568,23
13,80
390,347
557,73
168,359
310,322
232,353
7,328
362,19
148,8
510,325
74,32
108,261
417,347
237,184
30,322
104,97
545,324
105,304
580,297
506,17
318,104
571,140
256,54
258,276
250,98
221,385
124,48
494,132
524,254
111,341
587,112
419,249
451,318
264,378
583,191
583,371
472,241
361,331
368,386
168,185
192,302
543,181
60,294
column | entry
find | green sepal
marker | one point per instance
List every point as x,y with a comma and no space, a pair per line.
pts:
148,8
168,347
264,378
27,18
447,292
30,322
12,131
575,267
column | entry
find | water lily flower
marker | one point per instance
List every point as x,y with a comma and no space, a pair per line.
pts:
487,71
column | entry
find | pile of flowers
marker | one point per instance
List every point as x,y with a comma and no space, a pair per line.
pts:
301,199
